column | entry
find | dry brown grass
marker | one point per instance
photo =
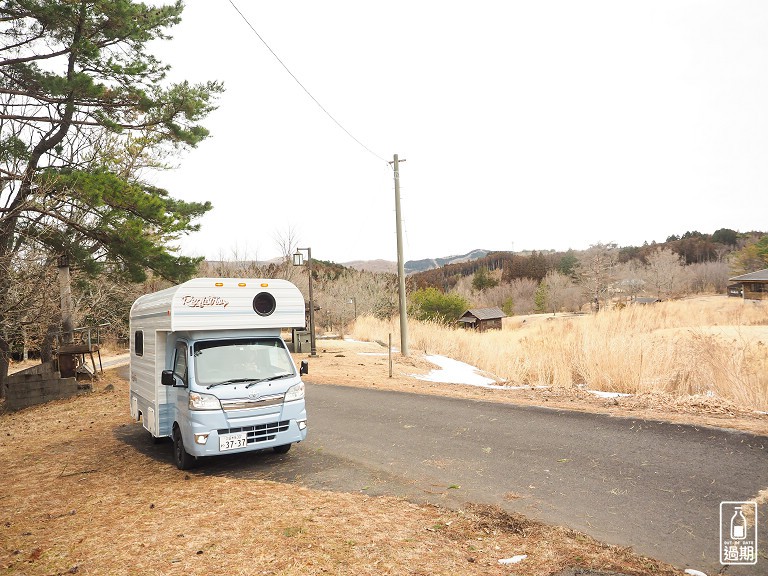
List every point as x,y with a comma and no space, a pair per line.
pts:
81,497
365,364
712,346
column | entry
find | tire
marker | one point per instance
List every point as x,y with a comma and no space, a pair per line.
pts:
281,449
182,458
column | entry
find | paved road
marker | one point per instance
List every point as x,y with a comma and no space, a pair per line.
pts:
654,486
651,485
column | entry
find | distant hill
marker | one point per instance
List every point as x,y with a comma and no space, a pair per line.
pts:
373,265
414,266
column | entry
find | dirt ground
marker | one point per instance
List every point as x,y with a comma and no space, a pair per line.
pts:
85,493
367,364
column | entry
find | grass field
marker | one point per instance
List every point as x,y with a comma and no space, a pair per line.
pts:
715,346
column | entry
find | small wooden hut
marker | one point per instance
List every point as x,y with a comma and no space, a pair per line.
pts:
482,319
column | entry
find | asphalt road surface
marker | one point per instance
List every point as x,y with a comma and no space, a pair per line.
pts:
651,485
654,486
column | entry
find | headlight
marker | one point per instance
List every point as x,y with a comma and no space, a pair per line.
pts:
295,392
199,401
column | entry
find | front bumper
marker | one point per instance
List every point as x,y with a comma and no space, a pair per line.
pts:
261,431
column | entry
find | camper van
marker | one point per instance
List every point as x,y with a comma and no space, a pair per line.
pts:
210,369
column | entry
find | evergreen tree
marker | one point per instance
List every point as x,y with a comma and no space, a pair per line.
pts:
72,73
540,300
431,304
753,257
568,263
482,280
725,236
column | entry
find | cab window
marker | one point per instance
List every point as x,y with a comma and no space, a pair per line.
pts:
180,362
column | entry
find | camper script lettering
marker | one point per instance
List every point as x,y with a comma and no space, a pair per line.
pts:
204,301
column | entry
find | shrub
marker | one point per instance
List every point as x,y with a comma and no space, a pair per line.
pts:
431,304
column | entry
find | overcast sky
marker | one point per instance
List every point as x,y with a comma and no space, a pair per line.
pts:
524,124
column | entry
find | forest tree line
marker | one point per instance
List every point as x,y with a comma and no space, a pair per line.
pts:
539,282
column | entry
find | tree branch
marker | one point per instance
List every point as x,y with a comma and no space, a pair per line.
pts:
22,60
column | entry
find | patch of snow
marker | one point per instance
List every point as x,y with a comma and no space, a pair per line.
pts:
516,559
455,372
602,394
693,572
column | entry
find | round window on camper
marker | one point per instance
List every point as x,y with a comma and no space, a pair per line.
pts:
264,304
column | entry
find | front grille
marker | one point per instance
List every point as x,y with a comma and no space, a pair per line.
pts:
248,404
260,432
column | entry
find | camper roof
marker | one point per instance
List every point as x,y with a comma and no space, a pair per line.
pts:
225,303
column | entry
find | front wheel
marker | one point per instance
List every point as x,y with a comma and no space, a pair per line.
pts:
182,458
281,449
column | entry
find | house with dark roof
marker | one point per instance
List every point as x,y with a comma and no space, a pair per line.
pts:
482,319
752,286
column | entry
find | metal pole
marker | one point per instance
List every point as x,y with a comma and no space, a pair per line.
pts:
400,263
313,347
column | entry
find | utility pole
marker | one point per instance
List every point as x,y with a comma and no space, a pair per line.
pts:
400,262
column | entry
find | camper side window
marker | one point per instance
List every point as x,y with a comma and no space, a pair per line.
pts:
138,343
180,362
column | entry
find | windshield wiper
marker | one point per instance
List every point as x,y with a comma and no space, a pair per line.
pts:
275,377
233,381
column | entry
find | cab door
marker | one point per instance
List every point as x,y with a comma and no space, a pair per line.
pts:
179,392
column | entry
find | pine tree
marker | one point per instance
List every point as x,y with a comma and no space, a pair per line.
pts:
74,74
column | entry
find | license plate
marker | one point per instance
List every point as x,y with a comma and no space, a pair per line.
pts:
233,441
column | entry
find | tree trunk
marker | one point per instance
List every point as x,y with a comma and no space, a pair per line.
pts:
67,307
5,360
46,346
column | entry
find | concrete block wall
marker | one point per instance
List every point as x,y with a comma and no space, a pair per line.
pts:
37,385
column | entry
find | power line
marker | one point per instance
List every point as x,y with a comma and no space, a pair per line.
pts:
302,85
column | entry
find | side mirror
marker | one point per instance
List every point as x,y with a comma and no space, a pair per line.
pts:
167,379
304,368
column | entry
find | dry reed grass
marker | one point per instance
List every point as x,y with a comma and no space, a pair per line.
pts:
710,346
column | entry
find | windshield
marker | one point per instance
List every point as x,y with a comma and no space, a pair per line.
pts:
243,359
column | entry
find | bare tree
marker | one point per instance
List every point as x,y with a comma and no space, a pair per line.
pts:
522,299
708,277
630,276
355,292
558,287
287,241
595,271
665,273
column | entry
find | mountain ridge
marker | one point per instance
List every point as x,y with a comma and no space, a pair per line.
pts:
414,266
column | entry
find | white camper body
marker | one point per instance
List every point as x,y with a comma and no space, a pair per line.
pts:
210,369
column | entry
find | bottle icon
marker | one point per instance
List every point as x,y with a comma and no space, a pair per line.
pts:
738,525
